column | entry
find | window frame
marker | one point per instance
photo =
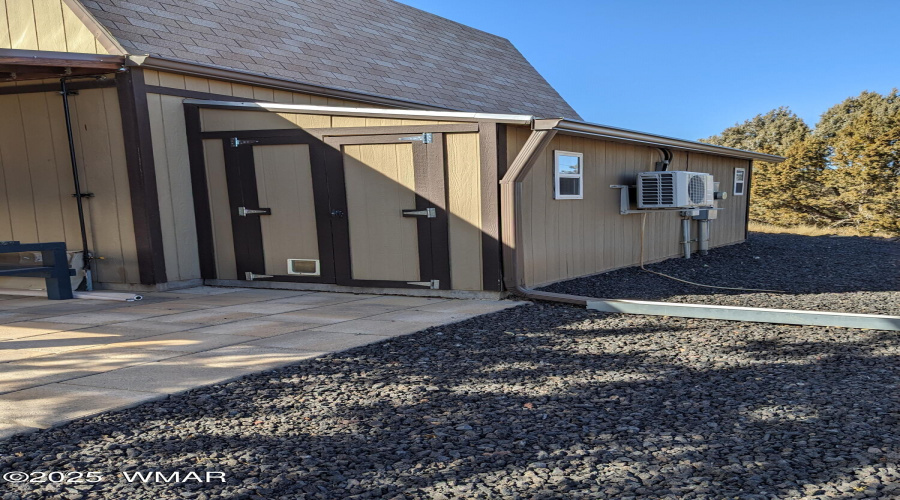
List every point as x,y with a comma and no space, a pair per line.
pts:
742,182
557,175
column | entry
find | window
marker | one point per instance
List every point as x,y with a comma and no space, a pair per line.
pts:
569,175
739,181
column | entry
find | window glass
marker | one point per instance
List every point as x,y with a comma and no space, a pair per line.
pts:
569,186
569,165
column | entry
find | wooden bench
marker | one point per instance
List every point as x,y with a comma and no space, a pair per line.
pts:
54,267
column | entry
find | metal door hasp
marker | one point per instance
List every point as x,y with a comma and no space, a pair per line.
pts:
430,212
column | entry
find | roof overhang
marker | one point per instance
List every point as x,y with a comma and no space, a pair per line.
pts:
577,128
560,125
19,65
250,78
368,112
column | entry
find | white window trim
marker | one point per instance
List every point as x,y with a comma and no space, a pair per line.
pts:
557,175
743,182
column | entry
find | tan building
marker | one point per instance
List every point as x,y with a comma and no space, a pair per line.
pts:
330,145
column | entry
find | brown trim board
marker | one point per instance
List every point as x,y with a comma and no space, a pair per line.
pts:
200,190
196,94
747,179
54,87
489,154
141,176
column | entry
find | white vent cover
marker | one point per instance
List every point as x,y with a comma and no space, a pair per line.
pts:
303,267
675,189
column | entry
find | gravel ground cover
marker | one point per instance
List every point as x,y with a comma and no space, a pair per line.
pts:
825,273
539,401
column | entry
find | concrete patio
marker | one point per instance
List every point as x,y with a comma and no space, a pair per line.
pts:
62,360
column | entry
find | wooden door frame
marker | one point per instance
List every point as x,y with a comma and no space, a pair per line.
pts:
430,191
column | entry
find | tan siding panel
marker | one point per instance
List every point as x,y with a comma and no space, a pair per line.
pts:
463,171
569,238
78,37
160,158
4,26
22,28
51,33
176,191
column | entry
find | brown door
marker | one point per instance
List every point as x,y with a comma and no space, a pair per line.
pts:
388,217
279,207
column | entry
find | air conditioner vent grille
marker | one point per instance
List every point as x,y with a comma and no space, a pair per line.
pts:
697,189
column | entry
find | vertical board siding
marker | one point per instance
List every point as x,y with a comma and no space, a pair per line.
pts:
36,186
464,207
44,25
565,239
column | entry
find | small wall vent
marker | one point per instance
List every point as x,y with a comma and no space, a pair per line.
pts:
303,267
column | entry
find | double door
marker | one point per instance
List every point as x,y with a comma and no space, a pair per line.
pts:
352,210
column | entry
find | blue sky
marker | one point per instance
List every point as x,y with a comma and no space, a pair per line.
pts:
691,68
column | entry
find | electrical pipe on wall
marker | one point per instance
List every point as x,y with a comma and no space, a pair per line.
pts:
64,91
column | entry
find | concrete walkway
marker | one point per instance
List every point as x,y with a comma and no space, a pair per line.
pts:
62,360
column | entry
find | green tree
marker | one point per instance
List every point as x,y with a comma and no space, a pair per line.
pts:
863,178
846,172
781,193
771,133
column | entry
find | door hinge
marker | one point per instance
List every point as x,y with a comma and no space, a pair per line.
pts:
243,211
250,276
426,138
235,142
433,284
430,212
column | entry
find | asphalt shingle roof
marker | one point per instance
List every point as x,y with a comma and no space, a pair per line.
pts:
378,47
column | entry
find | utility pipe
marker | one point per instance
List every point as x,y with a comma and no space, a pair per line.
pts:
686,236
703,236
78,194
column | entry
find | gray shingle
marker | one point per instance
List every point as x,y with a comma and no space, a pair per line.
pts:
374,46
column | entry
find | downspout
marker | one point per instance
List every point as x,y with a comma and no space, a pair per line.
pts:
511,215
78,194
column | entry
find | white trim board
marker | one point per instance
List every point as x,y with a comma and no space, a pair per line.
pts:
750,314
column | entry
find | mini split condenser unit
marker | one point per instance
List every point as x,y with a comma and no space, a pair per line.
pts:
674,189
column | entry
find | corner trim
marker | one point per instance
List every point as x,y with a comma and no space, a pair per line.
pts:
141,176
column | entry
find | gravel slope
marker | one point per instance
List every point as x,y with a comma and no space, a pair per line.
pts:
843,274
540,401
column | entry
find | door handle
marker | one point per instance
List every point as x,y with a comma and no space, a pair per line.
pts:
430,212
243,211
337,214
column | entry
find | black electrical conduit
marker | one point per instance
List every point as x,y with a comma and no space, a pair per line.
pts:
64,91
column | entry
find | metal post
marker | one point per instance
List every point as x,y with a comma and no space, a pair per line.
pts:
84,239
686,236
703,235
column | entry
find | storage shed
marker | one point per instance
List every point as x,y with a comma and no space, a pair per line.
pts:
320,145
